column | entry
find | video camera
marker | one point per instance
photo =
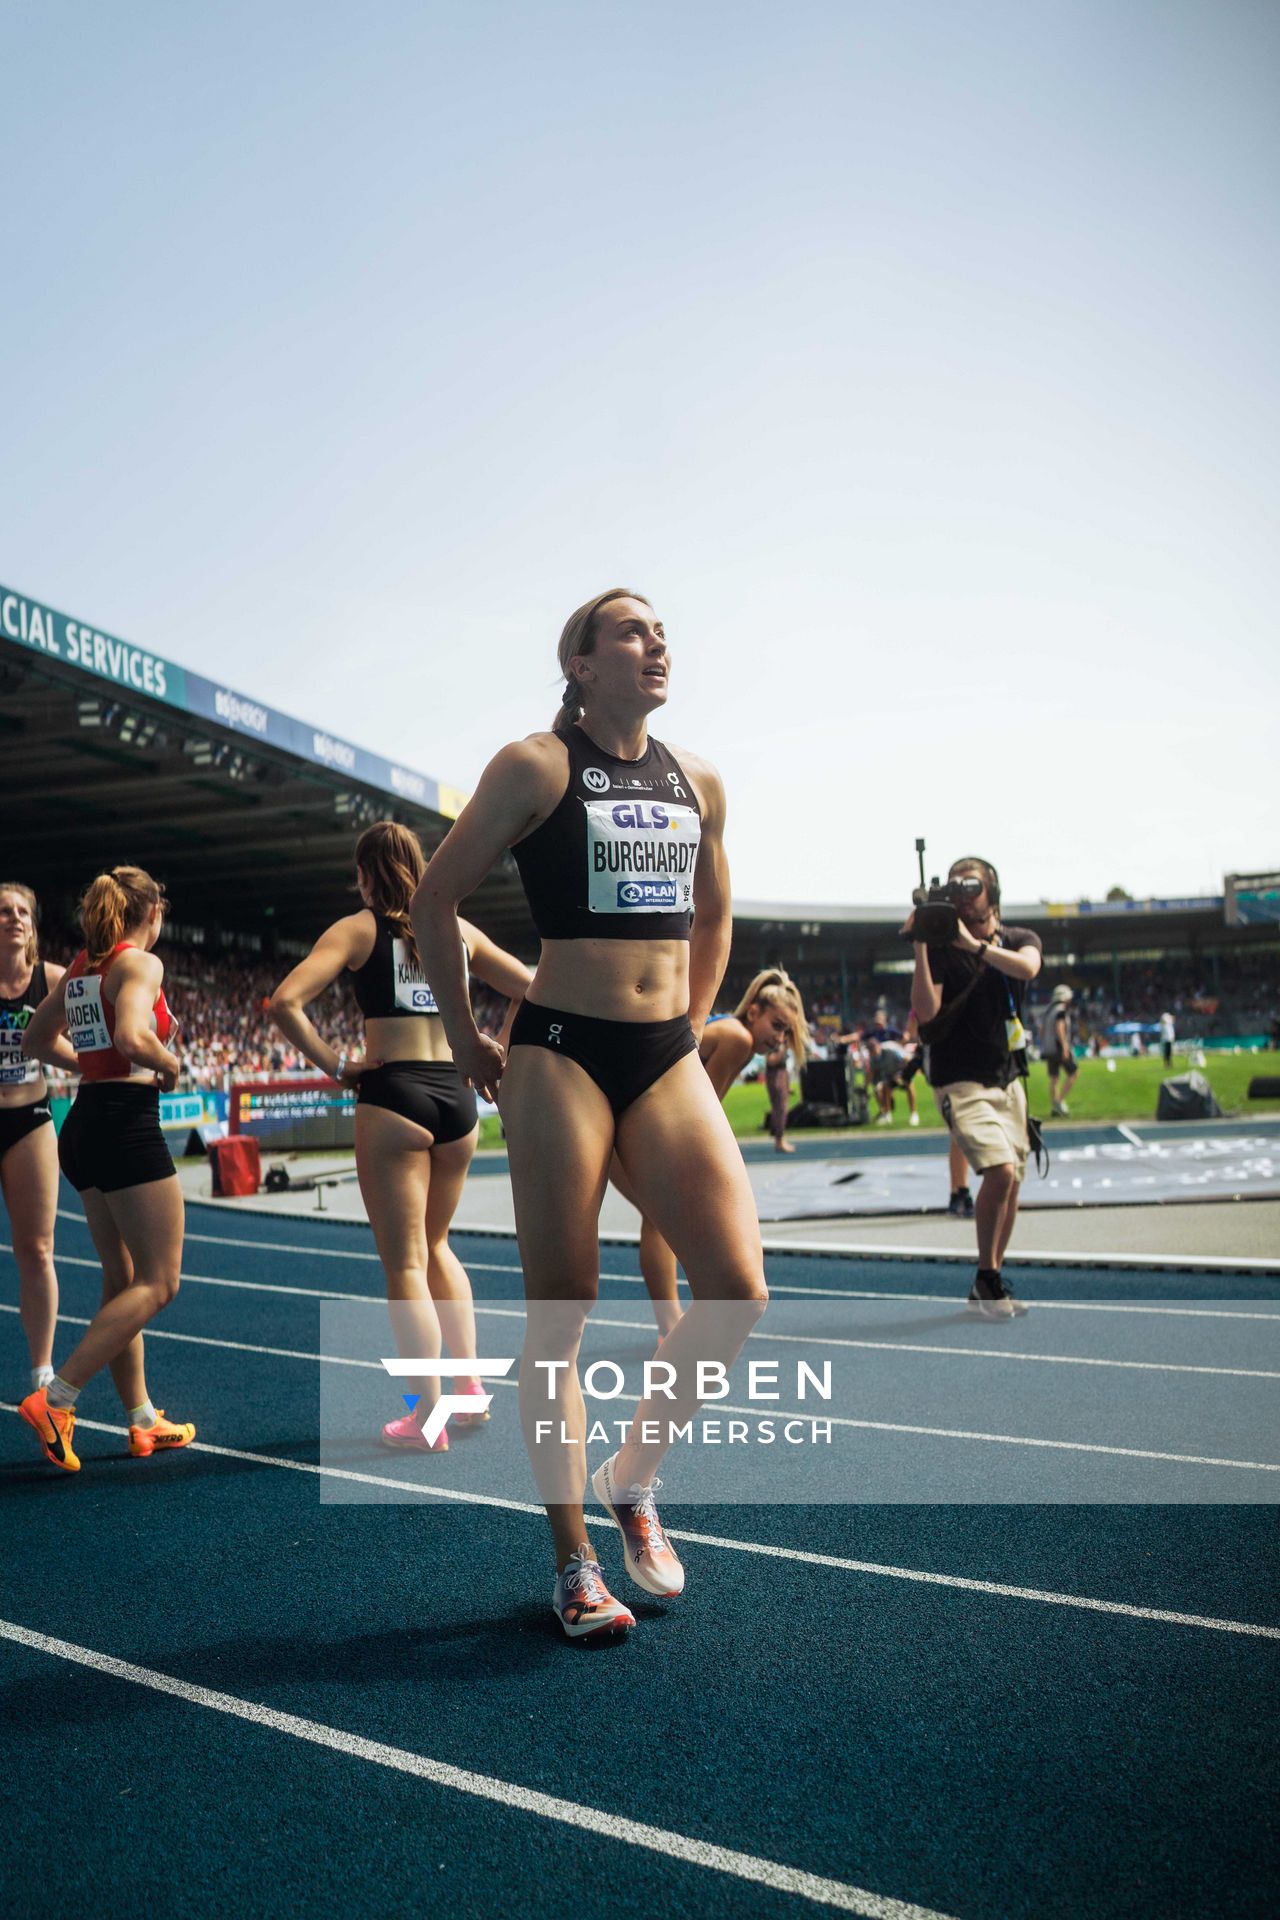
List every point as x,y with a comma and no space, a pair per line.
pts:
937,918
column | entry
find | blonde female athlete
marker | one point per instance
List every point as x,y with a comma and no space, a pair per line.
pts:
416,1124
769,1019
617,839
110,1004
28,1146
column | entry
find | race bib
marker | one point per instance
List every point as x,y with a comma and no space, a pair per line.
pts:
640,856
412,993
86,1016
1015,1037
15,1068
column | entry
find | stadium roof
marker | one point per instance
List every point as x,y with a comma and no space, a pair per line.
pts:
824,930
110,753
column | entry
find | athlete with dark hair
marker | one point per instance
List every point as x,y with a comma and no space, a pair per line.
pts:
416,1125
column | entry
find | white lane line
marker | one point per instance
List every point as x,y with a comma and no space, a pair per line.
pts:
1127,1133
887,1250
791,1339
751,1412
481,1786
214,1280
637,1280
959,1583
1025,1258
266,1246
864,1250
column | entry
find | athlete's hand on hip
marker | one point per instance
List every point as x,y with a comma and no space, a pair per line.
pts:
353,1070
480,1062
165,1080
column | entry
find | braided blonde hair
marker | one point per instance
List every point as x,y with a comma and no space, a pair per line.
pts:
579,637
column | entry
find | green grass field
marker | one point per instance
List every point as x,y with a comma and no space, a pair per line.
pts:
1130,1093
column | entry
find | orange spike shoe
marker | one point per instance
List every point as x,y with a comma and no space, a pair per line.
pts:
53,1427
161,1437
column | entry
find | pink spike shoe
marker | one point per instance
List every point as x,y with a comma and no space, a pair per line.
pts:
407,1432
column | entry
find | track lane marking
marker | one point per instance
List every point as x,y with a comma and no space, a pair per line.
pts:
637,1279
723,1406
762,1334
960,1583
757,1871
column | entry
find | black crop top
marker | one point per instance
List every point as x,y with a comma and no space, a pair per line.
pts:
15,1015
615,860
391,984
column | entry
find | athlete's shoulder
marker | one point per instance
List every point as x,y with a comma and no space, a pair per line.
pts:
357,935
706,780
728,1032
539,756
137,963
534,769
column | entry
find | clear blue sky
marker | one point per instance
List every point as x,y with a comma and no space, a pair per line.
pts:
919,361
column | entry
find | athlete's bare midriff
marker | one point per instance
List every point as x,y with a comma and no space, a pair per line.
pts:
26,1093
420,1038
614,979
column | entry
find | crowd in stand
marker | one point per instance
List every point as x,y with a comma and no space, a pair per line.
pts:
1240,997
221,1000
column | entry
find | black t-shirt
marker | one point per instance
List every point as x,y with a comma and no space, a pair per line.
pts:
975,1048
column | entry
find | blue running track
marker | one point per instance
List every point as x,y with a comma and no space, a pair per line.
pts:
223,1694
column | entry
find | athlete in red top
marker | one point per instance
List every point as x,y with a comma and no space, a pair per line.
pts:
110,1004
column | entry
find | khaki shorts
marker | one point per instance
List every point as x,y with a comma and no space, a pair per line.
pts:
988,1124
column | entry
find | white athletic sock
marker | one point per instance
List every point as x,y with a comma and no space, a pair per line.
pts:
61,1394
40,1377
143,1416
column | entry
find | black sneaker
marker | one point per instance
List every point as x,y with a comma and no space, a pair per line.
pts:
988,1299
960,1205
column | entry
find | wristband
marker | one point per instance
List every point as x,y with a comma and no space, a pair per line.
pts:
341,1067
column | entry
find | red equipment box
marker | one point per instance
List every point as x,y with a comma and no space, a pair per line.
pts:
237,1166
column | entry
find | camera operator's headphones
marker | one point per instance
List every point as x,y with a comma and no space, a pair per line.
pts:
989,874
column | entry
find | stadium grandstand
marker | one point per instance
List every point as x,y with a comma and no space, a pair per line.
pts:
110,752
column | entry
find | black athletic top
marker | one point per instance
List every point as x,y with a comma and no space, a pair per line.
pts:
15,1015
391,984
615,860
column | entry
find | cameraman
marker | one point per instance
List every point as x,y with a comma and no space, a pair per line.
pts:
968,999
